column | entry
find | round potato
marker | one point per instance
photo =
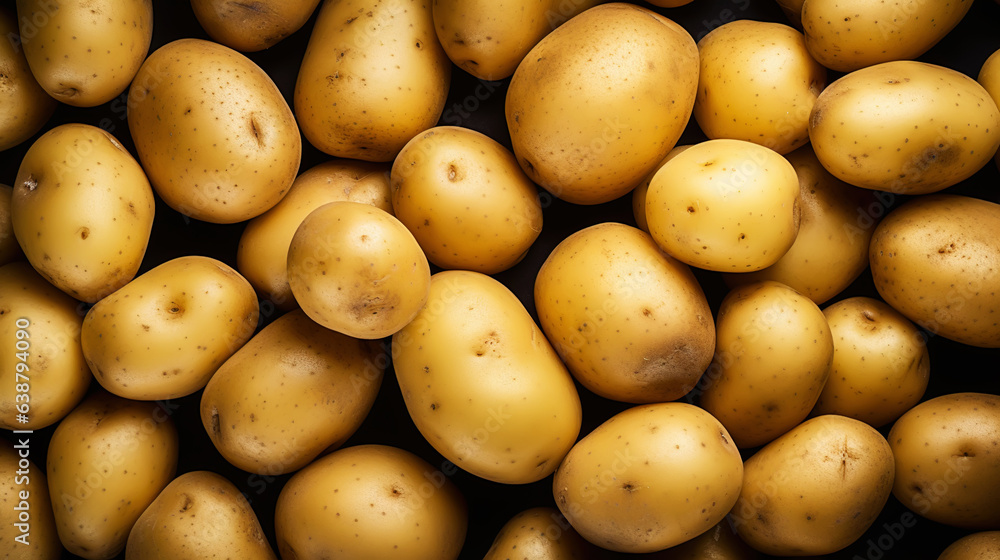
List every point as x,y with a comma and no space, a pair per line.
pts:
540,533
31,532
370,501
905,127
933,260
357,270
252,26
977,546
948,461
649,478
639,193
24,105
9,249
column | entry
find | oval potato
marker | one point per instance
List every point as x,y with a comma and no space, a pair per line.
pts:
32,537
24,105
539,533
252,26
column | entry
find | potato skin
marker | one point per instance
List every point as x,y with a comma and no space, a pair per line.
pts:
42,544
718,543
10,251
989,78
640,191
540,533
934,259
252,26
24,105
977,546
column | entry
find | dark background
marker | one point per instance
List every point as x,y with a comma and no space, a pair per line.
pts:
954,367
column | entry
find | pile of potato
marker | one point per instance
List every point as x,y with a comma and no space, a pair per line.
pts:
393,279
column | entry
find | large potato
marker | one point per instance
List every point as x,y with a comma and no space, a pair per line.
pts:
82,210
9,249
631,323
373,76
649,478
598,102
482,383
213,132
934,260
24,105
540,533
165,333
977,546
31,532
905,127
252,26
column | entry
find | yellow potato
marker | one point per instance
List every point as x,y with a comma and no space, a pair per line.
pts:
933,260
639,193
725,205
252,26
718,543
540,533
165,333
373,76
757,83
904,127
651,477
773,356
213,132
989,78
357,270
82,210
107,461
85,52
631,323
792,9
598,102
816,489
370,501
30,533
262,255
465,200
10,251
948,461
977,546
24,105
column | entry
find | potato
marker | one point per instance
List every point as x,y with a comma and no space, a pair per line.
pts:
489,38
294,390
262,255
774,351
904,127
30,533
835,228
948,460
846,35
724,205
357,270
639,193
199,513
977,546
594,106
82,210
540,533
47,357
631,323
757,83
85,52
880,363
816,489
252,26
718,543
649,478
10,251
989,78
465,200
370,501
793,10
165,333
107,461
350,100
213,132
24,105
932,260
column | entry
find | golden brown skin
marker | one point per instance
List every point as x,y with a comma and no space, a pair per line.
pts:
977,546
24,105
540,533
9,248
25,494
252,25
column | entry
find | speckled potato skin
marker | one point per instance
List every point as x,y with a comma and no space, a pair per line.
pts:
482,383
725,205
540,533
262,254
631,323
213,132
934,260
165,333
757,83
107,461
10,251
835,228
846,35
649,478
58,373
373,76
199,514
357,270
904,127
718,543
85,52
640,191
82,210
989,78
880,363
947,454
41,525
370,501
977,546
294,390
24,105
597,103
773,356
466,200
814,490
252,26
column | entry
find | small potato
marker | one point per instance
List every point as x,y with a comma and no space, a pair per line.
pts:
792,9
9,249
977,546
30,533
540,533
948,460
718,543
252,26
639,193
357,270
24,105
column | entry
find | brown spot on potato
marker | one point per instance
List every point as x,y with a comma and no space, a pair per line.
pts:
216,422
